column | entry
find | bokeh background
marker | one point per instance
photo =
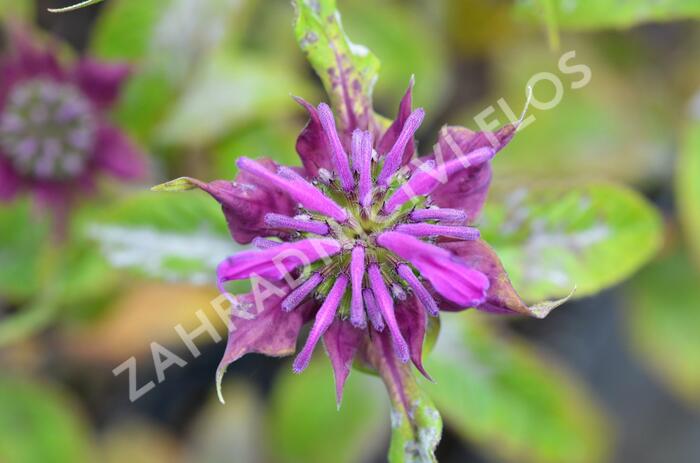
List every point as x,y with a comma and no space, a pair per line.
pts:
612,376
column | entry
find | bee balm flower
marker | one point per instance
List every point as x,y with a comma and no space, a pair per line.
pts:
364,241
54,136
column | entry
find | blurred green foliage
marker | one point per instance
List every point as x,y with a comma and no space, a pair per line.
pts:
663,322
38,424
596,14
211,82
688,186
509,398
306,426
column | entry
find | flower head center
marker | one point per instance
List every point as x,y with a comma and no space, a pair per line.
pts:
47,129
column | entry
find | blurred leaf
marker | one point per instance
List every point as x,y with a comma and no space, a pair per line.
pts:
664,321
593,14
145,102
173,237
13,9
612,128
688,187
170,40
552,239
21,236
232,429
39,424
224,92
85,274
275,140
348,71
306,427
407,43
503,396
125,27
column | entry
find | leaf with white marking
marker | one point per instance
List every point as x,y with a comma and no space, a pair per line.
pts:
348,71
554,239
160,235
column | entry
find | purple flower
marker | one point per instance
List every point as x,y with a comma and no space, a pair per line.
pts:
368,240
54,134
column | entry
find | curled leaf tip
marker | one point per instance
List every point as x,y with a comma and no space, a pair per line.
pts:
179,184
543,309
219,377
74,7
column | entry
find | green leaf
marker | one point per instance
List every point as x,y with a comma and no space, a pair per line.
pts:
39,424
408,43
12,9
688,187
306,426
21,238
663,323
591,134
348,71
499,394
125,28
145,102
225,92
594,14
554,239
273,139
174,237
169,40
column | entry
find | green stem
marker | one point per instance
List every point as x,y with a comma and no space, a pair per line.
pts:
415,422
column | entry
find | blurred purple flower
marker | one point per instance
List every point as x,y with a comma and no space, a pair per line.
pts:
54,134
375,239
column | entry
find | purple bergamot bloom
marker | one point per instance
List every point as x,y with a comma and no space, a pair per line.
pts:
366,239
54,134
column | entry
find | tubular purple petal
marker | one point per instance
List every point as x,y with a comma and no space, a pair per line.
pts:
277,261
364,167
291,223
324,318
297,187
338,155
264,243
449,276
356,151
375,316
392,161
420,180
429,175
421,292
300,293
424,230
357,273
386,307
439,214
